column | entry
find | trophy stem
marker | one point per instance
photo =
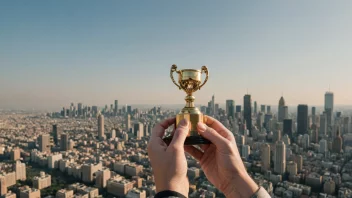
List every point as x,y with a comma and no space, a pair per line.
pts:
190,100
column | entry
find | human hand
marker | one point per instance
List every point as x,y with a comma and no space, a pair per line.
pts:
221,161
169,162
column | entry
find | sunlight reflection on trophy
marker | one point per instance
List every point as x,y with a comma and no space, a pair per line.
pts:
190,81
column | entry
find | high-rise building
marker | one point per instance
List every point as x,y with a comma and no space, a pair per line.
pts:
280,158
323,125
238,109
329,107
299,161
213,105
230,108
281,112
55,134
15,154
102,177
323,146
262,108
20,169
265,157
3,186
64,140
27,192
314,134
255,107
138,130
128,123
268,109
216,110
292,168
246,151
42,181
306,141
101,134
80,109
337,143
116,107
129,109
302,119
288,128
247,112
44,143
314,119
260,120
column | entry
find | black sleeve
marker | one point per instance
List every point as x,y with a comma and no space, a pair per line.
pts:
169,194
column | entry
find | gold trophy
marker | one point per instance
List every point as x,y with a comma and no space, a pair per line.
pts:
190,81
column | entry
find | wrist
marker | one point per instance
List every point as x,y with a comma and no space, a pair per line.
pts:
180,186
242,186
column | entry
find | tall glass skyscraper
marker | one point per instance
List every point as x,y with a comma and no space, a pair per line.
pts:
247,112
329,107
302,119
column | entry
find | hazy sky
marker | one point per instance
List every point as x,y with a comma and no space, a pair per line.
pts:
56,52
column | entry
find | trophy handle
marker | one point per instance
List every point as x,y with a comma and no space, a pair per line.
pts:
205,70
174,69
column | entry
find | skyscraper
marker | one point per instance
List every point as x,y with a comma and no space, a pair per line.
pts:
288,128
64,142
101,134
238,109
116,107
44,143
79,109
323,125
247,112
55,134
262,108
213,105
313,115
337,143
268,109
265,157
280,158
281,112
230,108
129,109
302,119
329,107
255,107
128,123
138,130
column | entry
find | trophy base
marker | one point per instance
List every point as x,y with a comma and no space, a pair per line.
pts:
190,140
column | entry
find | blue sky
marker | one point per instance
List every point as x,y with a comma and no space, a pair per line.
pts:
56,52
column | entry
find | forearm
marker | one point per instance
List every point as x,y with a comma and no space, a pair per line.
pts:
242,186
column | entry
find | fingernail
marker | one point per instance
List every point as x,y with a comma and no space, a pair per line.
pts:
201,127
183,123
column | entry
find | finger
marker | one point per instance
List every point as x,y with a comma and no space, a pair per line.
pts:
218,127
194,152
212,135
204,147
180,135
159,129
173,132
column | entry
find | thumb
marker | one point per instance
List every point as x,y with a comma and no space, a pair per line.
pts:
212,135
180,134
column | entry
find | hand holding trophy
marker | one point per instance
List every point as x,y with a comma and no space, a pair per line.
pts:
190,81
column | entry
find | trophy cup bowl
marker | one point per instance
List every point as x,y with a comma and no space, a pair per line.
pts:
190,81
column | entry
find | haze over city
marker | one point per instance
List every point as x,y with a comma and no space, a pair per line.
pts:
88,108
57,52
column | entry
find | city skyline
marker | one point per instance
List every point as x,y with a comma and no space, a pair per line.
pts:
53,53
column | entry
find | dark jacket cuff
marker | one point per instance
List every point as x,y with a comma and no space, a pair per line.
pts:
169,194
